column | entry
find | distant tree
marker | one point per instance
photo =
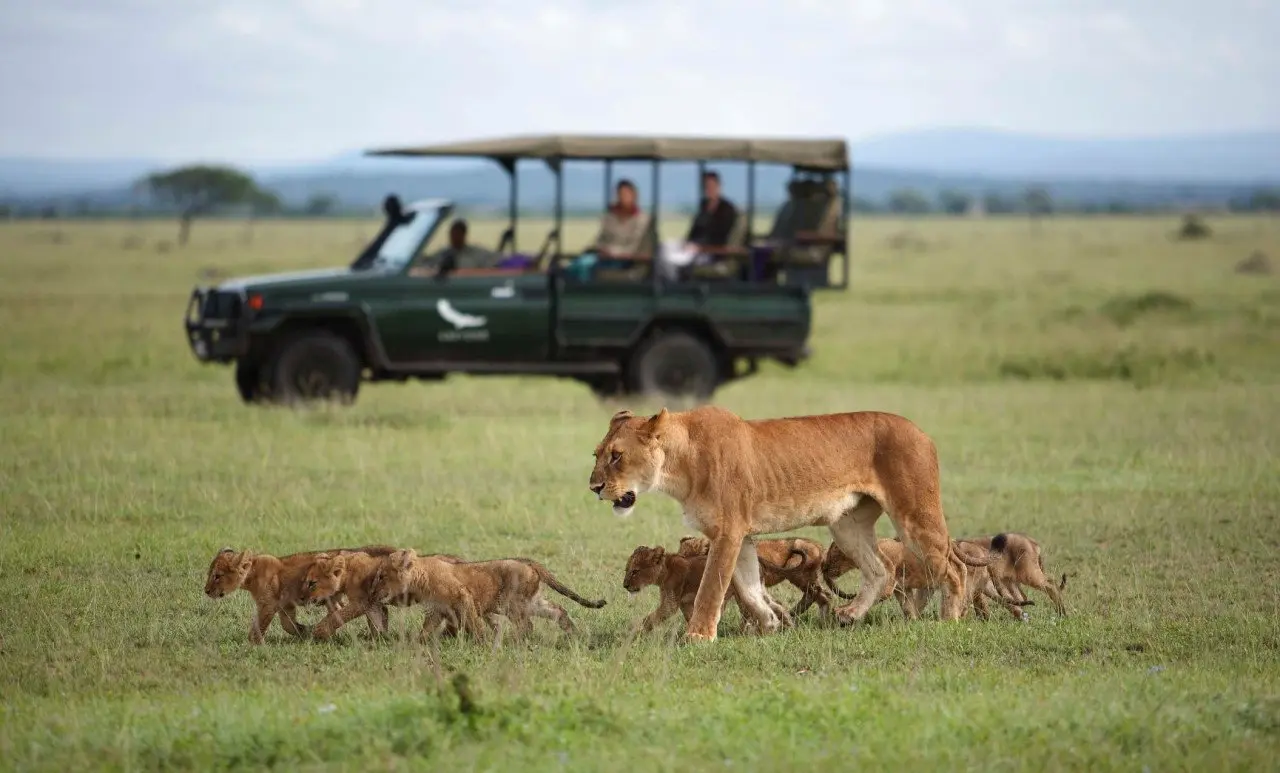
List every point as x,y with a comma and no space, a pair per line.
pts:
6,212
864,205
1264,200
196,190
1037,202
995,204
261,203
908,201
321,205
1119,207
954,202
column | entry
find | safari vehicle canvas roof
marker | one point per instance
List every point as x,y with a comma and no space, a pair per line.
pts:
821,154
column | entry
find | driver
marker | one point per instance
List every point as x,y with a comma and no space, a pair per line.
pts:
459,254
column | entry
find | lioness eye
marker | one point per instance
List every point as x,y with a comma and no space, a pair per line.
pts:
615,456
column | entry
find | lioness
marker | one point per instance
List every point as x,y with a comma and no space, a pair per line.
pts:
677,577
462,592
797,560
1018,561
736,478
908,580
275,584
352,575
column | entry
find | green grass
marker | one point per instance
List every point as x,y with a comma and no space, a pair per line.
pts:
1094,383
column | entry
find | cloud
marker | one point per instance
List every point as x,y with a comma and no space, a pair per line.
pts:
295,79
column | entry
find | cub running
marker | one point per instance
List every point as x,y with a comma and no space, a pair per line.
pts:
275,584
777,563
677,576
735,479
1017,561
908,579
462,592
352,575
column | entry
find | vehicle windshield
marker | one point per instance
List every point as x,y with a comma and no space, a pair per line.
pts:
403,243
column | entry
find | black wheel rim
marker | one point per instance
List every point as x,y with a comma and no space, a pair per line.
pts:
681,373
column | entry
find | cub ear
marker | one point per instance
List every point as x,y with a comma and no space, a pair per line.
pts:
405,558
340,562
659,552
227,549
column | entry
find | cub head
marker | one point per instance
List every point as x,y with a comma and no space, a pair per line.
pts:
227,572
629,459
692,547
392,578
324,576
835,563
644,567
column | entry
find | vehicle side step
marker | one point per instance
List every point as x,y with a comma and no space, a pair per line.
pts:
516,368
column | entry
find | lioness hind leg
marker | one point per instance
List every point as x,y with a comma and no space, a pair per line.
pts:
752,597
855,533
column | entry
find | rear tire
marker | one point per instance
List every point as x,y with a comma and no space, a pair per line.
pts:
675,364
315,365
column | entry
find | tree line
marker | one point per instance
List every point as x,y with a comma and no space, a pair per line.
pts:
202,190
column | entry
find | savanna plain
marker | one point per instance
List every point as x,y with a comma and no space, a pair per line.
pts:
1093,382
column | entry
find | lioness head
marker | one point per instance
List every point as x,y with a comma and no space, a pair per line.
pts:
643,568
227,572
324,576
392,578
628,460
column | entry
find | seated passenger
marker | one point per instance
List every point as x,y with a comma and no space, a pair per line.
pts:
715,219
624,226
459,254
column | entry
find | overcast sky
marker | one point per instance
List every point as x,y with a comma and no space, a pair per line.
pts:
267,80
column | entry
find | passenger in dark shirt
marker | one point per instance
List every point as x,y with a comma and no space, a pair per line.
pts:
715,218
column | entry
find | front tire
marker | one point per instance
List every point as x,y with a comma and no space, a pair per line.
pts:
675,364
249,381
316,365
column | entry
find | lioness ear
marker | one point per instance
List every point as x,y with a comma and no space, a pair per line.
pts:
618,417
657,424
659,552
227,549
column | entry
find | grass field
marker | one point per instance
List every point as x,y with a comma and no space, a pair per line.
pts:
1094,383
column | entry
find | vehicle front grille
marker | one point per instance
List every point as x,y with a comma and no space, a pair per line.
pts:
221,305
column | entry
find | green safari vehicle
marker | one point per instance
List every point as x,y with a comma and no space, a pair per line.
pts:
393,314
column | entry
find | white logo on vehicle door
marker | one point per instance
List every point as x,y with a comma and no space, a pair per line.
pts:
460,322
457,318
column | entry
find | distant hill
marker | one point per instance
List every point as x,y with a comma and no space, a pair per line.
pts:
1140,172
1240,157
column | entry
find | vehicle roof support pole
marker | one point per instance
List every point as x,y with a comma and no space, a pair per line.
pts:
654,214
847,206
608,181
512,205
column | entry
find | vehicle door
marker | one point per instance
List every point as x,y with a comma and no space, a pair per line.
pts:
500,318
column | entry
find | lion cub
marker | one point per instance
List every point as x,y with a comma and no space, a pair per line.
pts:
351,575
677,577
275,584
1017,561
777,563
463,592
908,580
